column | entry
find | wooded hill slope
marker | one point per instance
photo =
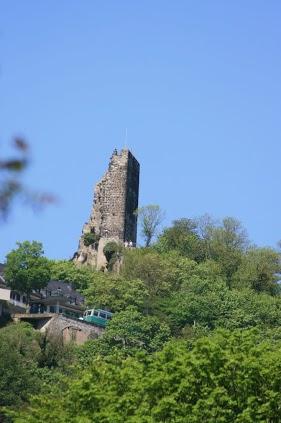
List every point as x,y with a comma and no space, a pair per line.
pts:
195,337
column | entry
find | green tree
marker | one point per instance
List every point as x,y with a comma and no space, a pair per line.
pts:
150,218
114,292
182,237
160,273
215,306
26,268
230,233
79,276
226,244
147,266
259,270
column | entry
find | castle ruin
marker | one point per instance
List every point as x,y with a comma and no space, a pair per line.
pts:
112,217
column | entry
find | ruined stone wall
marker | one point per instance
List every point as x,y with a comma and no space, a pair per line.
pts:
112,216
132,198
67,329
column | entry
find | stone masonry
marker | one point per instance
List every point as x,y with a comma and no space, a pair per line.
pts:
69,329
64,329
112,217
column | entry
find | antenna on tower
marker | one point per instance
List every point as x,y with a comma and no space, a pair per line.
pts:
126,138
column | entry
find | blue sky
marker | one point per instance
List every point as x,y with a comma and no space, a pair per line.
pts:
197,84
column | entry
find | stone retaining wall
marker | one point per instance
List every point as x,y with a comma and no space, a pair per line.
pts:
71,329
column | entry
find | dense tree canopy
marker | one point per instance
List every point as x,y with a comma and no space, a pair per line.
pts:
195,335
229,377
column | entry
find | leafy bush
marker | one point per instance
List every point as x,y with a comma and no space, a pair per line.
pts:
110,248
111,251
90,239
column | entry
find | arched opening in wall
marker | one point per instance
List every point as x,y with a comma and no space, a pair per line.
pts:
70,334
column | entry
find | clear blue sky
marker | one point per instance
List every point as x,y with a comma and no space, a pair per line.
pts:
197,84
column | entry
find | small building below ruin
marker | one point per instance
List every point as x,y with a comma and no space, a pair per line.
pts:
58,297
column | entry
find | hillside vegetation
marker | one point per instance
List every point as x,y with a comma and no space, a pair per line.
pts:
195,337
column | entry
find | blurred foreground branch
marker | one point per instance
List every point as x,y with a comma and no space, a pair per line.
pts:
11,187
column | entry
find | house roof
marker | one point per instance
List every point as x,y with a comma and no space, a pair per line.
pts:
66,290
2,280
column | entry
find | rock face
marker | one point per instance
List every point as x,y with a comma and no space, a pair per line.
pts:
112,217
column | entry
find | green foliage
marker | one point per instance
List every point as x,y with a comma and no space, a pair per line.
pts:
226,244
114,292
26,268
90,238
79,276
112,252
150,218
129,329
19,351
110,248
230,233
229,377
201,283
182,237
259,270
158,272
30,364
215,307
128,333
55,355
202,238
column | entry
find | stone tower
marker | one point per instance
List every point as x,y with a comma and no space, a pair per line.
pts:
112,217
